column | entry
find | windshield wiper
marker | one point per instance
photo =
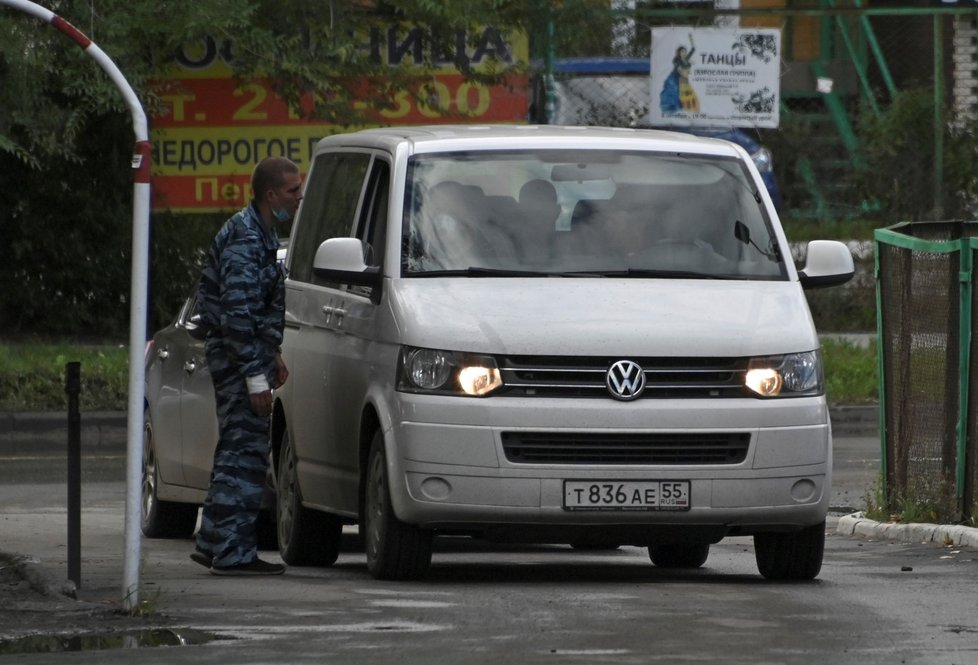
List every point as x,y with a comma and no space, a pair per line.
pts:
474,271
630,272
653,272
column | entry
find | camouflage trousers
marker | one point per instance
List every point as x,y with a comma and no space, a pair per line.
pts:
227,525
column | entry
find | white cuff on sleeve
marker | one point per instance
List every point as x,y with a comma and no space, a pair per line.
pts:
257,384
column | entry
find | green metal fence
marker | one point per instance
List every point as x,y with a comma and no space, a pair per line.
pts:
928,365
876,105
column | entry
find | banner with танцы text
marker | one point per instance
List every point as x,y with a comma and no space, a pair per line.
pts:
716,77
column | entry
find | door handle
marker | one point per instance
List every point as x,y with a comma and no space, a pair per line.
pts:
190,366
330,311
163,352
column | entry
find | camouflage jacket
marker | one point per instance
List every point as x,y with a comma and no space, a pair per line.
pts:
242,293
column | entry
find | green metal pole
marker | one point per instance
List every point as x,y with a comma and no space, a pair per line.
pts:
858,63
938,117
874,46
856,55
966,265
880,345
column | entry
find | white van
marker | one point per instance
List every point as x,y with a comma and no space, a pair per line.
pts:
549,334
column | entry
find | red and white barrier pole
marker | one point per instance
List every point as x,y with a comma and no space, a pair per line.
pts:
141,163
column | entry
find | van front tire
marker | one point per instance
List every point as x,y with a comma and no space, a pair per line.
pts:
691,555
790,556
395,550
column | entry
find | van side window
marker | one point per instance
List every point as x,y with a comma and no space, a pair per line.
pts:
328,208
372,227
373,219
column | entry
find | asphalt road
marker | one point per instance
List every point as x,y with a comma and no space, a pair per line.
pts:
874,602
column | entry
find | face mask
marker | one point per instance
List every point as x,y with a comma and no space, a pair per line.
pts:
281,214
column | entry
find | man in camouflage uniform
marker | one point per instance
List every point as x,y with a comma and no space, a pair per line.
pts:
242,305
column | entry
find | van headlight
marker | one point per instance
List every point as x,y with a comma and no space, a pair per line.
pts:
791,375
447,372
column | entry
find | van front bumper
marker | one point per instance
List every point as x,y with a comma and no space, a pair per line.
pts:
455,474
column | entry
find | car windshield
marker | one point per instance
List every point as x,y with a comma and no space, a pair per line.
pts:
585,213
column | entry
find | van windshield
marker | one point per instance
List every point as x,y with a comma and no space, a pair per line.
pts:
585,212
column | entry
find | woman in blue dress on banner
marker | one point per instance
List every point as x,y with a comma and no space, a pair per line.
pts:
677,92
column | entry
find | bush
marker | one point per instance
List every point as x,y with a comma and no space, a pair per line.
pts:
897,155
179,243
67,231
67,240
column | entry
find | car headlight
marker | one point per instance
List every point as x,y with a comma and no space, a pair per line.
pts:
447,372
791,375
763,160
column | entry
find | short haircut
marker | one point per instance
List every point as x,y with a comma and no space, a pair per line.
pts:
270,174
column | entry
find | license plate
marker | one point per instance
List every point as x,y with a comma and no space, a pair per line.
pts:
626,495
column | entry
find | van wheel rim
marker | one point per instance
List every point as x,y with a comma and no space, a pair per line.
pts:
286,495
375,505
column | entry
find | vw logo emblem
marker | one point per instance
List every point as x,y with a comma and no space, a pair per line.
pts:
625,380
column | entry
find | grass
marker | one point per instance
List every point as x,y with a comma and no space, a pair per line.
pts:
32,375
851,372
930,501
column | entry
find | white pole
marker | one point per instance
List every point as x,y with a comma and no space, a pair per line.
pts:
141,163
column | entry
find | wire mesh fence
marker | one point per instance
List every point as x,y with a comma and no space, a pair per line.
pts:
874,106
928,365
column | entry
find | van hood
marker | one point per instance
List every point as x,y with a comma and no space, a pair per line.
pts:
602,316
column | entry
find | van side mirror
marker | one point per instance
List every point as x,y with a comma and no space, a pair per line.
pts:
829,263
342,260
194,329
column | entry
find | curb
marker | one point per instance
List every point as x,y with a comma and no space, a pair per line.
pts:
29,431
855,419
857,524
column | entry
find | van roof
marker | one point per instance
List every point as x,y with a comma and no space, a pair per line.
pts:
439,138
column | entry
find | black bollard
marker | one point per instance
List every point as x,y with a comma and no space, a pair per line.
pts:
73,389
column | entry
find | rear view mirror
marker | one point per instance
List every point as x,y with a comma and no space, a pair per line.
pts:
194,328
580,172
342,260
829,263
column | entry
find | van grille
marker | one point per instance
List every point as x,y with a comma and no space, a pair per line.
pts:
562,376
625,448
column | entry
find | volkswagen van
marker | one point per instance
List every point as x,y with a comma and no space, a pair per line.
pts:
595,337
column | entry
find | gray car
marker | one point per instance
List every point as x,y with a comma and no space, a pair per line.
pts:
180,432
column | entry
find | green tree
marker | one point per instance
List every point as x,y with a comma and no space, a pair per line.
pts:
898,156
65,137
